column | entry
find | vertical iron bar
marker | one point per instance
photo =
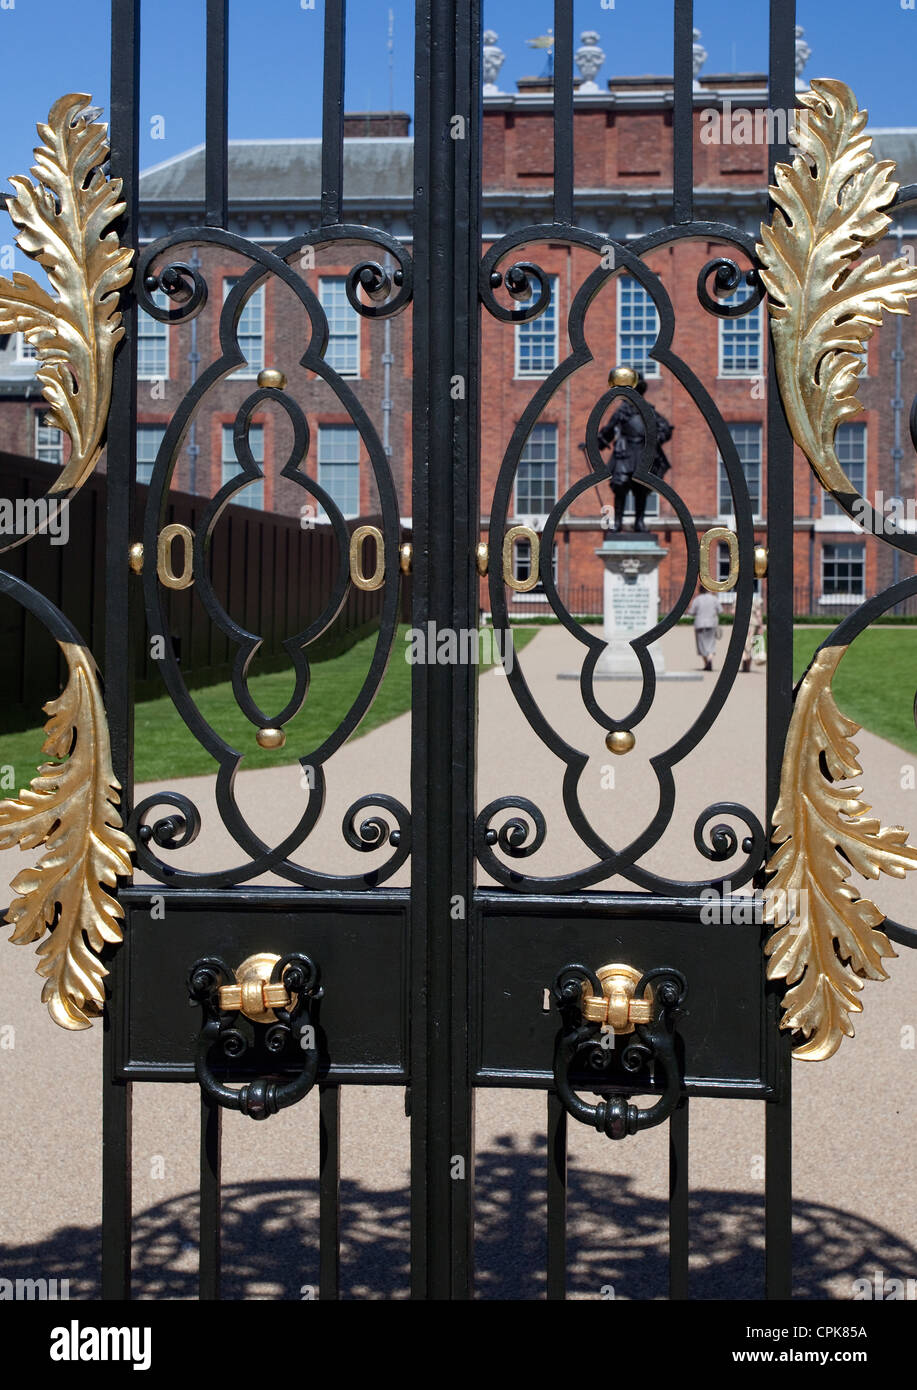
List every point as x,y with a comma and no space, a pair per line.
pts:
563,111
333,113
780,511
329,1181
211,1199
678,1201
683,114
120,621
447,250
557,1198
216,129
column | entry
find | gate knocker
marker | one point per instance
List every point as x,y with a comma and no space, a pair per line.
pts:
278,996
618,998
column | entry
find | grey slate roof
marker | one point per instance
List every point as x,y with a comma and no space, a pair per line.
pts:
375,169
265,171
899,145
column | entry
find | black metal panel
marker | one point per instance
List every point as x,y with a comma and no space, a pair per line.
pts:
521,945
359,946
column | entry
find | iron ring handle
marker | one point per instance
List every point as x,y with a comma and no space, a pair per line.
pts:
261,1097
615,1116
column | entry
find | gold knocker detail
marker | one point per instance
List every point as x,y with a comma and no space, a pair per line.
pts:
253,994
616,1006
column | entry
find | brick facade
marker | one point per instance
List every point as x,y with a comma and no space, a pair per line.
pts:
623,154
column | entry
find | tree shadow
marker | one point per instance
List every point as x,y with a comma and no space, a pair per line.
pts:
617,1241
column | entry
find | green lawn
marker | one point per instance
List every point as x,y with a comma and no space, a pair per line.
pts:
876,679
166,748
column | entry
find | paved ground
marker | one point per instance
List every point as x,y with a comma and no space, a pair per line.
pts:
854,1116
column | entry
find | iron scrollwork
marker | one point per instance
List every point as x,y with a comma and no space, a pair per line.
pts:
655,1044
527,827
375,292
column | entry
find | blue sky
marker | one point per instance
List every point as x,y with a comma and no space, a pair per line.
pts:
52,46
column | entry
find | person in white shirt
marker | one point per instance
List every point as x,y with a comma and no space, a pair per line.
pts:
705,610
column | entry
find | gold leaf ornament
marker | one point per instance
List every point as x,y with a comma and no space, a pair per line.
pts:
824,298
71,810
62,220
827,940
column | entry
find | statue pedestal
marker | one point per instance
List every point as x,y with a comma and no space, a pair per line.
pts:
631,602
631,609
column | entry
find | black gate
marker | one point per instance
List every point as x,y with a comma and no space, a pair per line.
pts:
451,984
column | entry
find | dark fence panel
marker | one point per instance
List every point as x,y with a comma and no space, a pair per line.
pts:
273,576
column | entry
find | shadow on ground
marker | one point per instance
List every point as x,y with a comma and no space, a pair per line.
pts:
617,1241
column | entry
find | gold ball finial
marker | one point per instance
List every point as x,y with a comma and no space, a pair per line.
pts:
620,741
269,376
271,738
623,376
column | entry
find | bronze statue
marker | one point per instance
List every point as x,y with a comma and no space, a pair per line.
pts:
626,432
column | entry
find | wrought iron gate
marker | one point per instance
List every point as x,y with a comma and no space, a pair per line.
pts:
359,981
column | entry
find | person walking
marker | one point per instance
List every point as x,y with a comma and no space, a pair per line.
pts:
705,610
754,640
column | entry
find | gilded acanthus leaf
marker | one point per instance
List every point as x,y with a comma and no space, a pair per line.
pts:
824,302
61,222
70,809
827,940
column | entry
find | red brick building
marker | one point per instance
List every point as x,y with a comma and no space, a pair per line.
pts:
623,190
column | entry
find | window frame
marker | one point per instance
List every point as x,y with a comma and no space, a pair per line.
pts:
342,281
245,371
527,374
648,366
239,499
852,596
37,427
146,427
722,477
340,427
733,325
518,513
829,508
161,333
